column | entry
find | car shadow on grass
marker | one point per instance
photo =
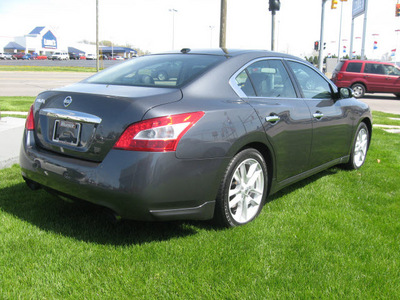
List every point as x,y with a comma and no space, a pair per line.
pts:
84,221
91,223
302,183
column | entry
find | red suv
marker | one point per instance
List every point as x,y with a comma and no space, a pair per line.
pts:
367,77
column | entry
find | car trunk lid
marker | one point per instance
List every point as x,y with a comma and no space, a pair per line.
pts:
85,120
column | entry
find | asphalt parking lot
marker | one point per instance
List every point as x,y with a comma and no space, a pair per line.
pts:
60,63
20,83
31,83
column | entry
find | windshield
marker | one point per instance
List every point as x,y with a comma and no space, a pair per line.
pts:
167,70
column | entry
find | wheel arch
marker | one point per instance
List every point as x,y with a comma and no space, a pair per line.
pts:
268,156
359,82
368,122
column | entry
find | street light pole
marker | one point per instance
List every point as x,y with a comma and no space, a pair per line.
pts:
173,10
97,36
211,30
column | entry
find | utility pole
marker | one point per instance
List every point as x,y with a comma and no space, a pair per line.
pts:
222,26
321,40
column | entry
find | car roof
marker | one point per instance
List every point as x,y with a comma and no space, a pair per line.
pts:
228,52
367,61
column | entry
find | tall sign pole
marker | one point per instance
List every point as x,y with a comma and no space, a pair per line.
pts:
364,30
359,7
222,26
351,38
274,5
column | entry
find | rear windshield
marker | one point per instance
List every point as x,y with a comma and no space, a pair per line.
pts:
339,66
166,70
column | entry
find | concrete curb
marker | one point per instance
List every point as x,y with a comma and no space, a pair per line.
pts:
11,131
9,162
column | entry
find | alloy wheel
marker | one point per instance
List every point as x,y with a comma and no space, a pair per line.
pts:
246,190
360,148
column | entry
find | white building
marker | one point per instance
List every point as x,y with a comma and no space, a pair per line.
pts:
41,40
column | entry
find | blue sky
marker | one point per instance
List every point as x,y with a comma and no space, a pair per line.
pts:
147,24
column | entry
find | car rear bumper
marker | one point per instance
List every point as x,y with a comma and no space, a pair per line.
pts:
136,185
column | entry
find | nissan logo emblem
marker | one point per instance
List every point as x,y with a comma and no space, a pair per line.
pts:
67,101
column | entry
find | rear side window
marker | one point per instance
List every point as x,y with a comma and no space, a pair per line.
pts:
266,78
169,70
354,67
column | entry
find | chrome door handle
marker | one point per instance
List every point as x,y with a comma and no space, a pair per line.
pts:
318,115
272,119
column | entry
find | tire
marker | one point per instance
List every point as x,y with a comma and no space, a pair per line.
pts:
359,148
358,90
243,189
397,95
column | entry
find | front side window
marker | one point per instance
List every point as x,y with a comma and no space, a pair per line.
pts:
266,78
169,70
313,85
391,70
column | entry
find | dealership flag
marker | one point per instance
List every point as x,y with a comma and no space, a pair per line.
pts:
394,52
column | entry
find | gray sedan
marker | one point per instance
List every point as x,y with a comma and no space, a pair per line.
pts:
215,140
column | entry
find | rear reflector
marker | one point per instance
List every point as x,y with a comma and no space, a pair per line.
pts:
158,134
30,122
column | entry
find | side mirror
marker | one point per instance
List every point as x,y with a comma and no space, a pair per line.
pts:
345,93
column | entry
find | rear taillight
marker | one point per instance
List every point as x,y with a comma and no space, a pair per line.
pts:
159,134
30,121
339,76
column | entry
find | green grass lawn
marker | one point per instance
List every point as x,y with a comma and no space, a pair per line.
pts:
15,103
335,235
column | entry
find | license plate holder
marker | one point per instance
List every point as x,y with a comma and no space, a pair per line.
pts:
66,132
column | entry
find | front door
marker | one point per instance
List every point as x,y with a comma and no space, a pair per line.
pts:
285,117
375,78
392,84
329,118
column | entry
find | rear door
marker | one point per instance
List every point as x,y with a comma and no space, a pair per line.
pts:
375,78
331,121
265,84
